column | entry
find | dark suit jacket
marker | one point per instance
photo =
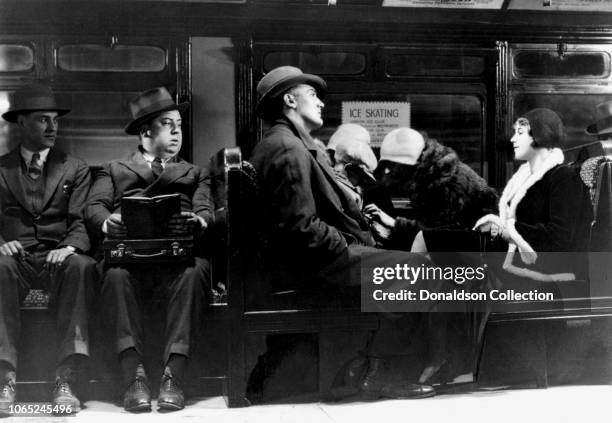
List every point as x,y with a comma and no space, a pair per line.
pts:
60,223
133,176
310,220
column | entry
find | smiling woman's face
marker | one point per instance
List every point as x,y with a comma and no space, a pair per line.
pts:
522,141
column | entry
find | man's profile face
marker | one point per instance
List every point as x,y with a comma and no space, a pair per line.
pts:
164,136
308,105
39,129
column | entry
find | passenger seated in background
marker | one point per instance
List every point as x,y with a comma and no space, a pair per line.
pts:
42,241
316,232
445,195
154,169
347,131
444,192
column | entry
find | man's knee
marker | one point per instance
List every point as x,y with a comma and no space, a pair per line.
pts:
81,263
115,279
196,277
8,265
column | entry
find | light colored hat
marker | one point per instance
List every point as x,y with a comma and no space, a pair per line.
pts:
603,124
351,132
31,98
148,105
402,145
280,79
359,153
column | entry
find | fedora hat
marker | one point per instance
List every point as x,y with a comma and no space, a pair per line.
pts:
280,79
31,98
150,104
603,124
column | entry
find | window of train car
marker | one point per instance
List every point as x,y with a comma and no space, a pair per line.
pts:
117,58
551,64
321,63
454,120
16,58
571,79
93,130
444,87
429,65
8,135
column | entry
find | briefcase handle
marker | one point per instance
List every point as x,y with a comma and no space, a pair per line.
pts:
132,254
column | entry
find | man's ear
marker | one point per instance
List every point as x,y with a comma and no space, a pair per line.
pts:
20,119
289,100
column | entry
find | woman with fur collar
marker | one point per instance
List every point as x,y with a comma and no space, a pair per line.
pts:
545,206
443,191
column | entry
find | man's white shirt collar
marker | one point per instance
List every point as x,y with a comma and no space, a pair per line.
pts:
27,155
150,157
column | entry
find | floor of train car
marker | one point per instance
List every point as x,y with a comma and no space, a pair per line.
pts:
558,404
579,374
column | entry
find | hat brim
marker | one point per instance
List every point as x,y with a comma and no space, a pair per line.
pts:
134,126
592,130
11,115
315,81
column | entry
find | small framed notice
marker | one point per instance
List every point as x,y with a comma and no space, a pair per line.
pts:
473,4
378,117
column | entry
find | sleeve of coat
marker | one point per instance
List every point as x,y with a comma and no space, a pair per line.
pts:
565,198
100,202
287,179
76,233
403,233
202,198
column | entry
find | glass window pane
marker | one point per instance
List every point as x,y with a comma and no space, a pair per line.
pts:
328,63
549,64
93,130
422,65
9,135
16,58
119,58
454,120
576,110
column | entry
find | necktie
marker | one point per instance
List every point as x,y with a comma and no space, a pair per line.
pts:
34,169
156,167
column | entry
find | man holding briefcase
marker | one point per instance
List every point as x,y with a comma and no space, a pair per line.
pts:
155,169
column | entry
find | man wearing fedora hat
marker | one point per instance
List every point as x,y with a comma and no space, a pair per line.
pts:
155,169
315,230
42,238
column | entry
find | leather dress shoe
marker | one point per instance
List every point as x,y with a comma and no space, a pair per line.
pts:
171,395
64,398
7,396
373,388
137,397
348,379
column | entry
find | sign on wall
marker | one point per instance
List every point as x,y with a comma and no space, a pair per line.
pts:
472,4
577,5
378,117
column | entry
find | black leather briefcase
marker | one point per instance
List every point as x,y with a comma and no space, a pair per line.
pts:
148,251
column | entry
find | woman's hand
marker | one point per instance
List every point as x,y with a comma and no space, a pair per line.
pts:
489,223
380,232
375,215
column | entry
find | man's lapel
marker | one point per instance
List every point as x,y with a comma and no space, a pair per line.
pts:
137,164
55,169
174,170
323,164
11,170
